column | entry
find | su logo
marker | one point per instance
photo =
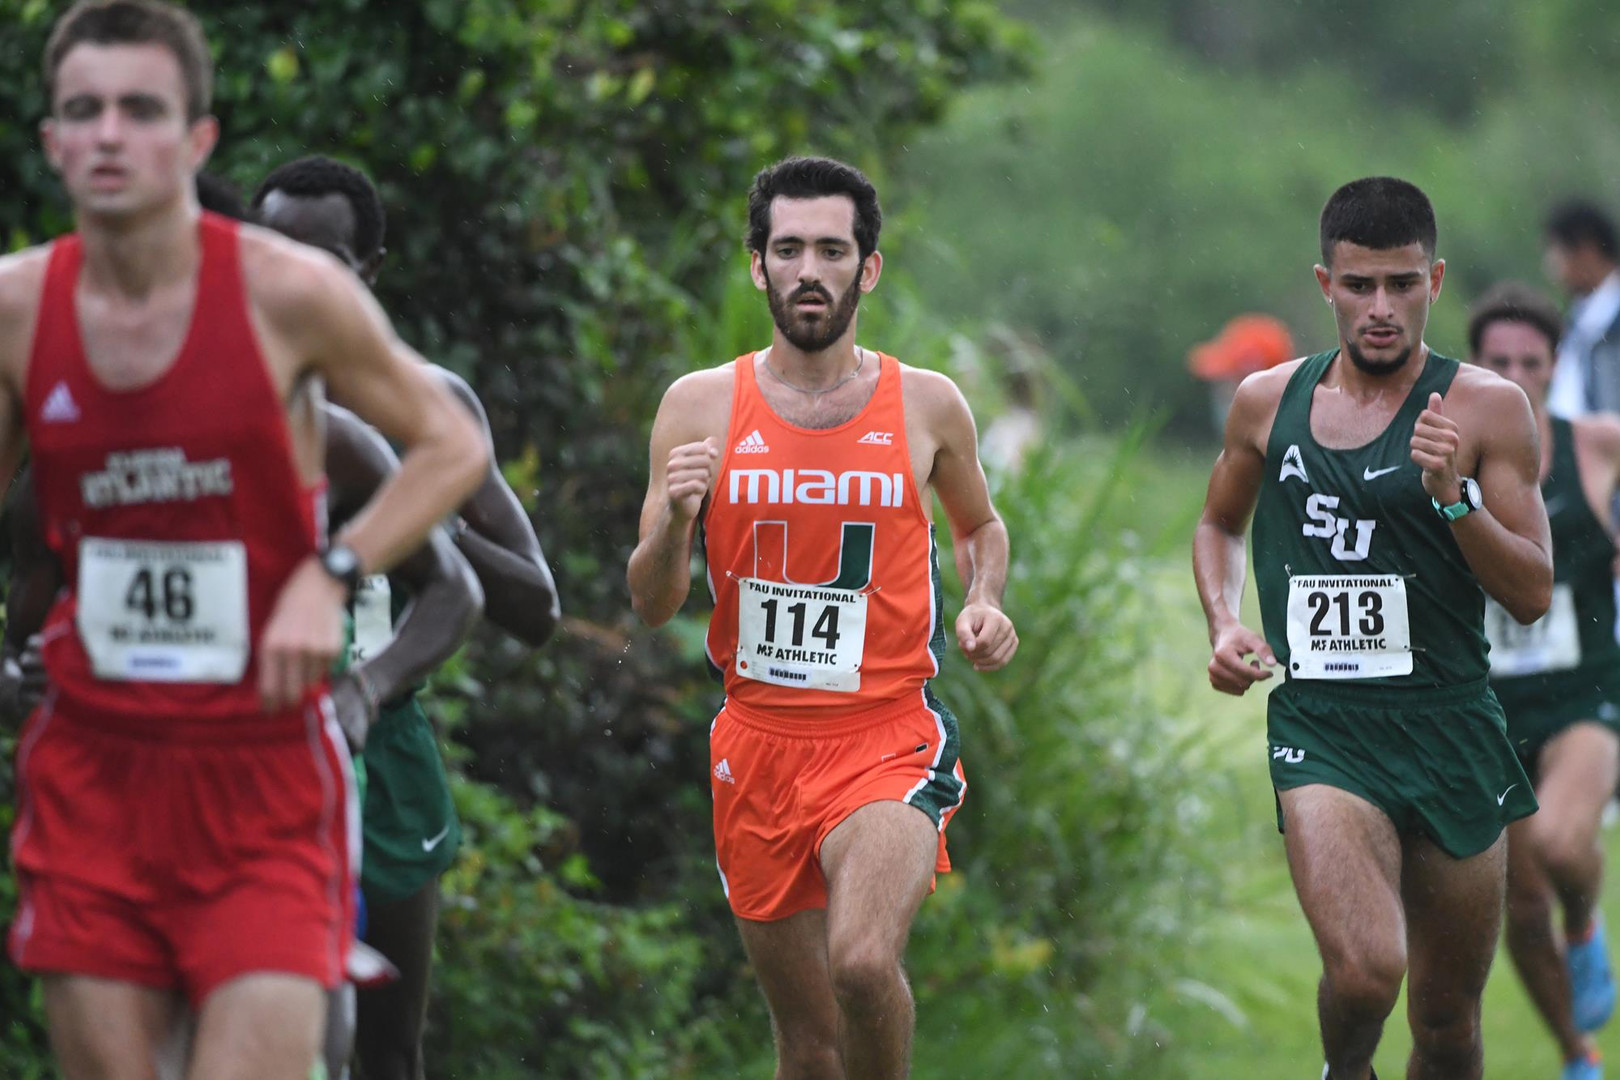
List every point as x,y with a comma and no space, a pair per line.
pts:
1326,525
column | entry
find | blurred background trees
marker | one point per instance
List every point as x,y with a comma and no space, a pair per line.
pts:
1076,194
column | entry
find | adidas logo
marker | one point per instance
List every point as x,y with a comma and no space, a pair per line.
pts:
876,438
722,772
59,407
753,444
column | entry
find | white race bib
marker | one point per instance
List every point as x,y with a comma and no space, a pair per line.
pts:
164,611
800,635
373,618
1551,643
1348,626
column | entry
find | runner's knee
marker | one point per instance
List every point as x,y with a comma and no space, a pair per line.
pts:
1529,910
1368,982
804,1054
1447,1032
865,976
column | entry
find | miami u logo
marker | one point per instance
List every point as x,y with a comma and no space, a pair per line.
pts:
854,555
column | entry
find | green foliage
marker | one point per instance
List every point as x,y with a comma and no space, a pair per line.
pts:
565,186
1075,887
1127,204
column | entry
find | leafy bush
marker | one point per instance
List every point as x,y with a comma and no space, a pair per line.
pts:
565,183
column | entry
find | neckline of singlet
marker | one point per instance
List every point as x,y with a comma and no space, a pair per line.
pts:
1412,405
887,368
206,292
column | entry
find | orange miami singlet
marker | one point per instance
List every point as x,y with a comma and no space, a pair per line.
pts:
827,626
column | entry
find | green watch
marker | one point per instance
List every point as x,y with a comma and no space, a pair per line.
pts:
1470,501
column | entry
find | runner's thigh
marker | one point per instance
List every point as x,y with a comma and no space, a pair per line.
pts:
879,864
1578,771
260,1027
1454,914
1345,858
104,1029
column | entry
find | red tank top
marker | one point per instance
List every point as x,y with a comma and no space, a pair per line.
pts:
176,510
822,561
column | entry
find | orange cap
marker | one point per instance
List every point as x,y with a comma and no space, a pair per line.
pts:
1247,344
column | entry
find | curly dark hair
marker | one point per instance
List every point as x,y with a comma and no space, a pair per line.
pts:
809,178
317,175
1514,301
1378,212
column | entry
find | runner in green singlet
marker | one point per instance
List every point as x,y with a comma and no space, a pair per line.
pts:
1391,489
410,829
1559,683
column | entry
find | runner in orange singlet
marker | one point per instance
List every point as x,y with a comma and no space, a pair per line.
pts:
811,467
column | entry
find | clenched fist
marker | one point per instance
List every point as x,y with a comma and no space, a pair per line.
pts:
690,472
1435,438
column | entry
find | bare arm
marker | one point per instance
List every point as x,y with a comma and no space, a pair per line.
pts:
685,458
1508,544
323,321
335,328
1219,566
500,543
978,535
446,599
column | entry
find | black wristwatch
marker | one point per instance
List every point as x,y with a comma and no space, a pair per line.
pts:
343,564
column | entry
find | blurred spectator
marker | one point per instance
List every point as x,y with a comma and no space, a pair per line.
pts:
1582,249
1247,344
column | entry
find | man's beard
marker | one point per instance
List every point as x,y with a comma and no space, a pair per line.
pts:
1378,367
807,335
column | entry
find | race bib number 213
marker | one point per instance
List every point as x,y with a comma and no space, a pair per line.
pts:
1348,626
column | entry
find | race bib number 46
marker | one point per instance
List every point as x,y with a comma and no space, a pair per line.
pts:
800,635
1551,643
160,611
1347,626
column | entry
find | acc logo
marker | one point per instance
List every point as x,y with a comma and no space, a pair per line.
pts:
1325,525
876,438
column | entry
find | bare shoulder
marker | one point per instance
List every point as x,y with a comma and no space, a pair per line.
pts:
932,394
22,282
1487,394
1254,405
698,404
291,283
1599,432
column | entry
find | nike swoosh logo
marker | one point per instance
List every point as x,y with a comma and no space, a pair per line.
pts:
1369,474
1504,794
429,845
1556,504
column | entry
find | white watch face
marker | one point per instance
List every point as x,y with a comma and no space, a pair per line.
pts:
1470,493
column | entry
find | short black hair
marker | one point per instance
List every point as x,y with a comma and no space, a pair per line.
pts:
219,195
810,178
316,175
1514,301
137,22
1577,223
1378,212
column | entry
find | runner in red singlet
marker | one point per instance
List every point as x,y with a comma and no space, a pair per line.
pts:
811,468
184,830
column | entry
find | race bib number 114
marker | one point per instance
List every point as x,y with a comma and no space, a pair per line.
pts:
1348,626
800,635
